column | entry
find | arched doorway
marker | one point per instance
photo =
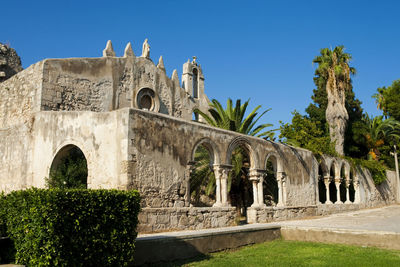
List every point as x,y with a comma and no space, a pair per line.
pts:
68,169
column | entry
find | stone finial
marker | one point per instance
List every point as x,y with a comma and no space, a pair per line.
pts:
146,49
175,77
128,51
194,60
109,51
160,64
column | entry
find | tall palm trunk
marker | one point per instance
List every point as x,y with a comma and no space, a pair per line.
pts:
336,113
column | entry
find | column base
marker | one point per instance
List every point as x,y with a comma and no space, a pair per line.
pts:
328,202
216,204
222,205
348,202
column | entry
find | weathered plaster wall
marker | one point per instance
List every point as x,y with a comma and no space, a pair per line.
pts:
102,137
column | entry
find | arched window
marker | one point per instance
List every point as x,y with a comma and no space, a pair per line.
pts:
145,99
68,169
195,83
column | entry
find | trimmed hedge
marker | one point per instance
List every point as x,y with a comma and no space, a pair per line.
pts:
72,227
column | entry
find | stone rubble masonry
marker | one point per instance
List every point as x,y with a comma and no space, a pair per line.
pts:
186,218
10,63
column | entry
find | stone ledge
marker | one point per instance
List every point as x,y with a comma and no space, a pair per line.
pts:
187,244
381,239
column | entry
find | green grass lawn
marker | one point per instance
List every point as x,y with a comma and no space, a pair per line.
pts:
293,253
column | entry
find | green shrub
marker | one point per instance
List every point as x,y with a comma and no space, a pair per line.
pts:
72,227
376,168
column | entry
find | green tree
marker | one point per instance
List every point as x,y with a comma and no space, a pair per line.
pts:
306,133
333,74
316,114
71,172
388,100
374,137
231,118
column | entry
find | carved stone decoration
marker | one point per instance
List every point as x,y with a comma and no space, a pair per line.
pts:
146,49
129,51
109,50
160,64
175,77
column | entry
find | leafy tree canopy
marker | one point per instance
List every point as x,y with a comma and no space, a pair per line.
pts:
388,100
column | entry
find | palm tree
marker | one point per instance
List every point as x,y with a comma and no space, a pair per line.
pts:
374,137
231,118
334,73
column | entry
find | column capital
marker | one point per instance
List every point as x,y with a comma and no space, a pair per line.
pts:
281,176
257,174
222,169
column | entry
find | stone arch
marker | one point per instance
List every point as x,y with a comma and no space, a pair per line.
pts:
211,147
64,154
272,182
243,142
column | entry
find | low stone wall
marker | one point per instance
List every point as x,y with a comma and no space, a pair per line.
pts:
186,218
270,214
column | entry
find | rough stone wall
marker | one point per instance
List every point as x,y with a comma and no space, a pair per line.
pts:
166,219
20,97
10,63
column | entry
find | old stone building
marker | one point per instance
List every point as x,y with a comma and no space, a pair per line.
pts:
135,127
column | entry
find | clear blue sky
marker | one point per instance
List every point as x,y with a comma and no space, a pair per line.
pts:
260,50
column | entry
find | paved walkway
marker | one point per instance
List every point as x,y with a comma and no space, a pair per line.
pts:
386,219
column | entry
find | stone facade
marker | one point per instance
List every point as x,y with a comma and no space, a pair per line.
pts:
134,126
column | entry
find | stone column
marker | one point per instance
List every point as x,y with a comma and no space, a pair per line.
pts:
280,177
284,188
224,185
255,178
217,174
347,191
188,173
327,180
337,185
260,174
356,184
221,173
